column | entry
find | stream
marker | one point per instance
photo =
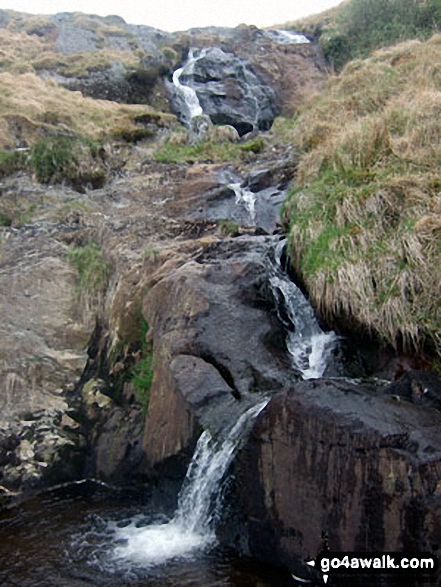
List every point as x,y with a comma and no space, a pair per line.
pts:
87,534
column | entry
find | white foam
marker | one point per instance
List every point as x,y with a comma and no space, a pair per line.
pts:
245,197
192,528
154,545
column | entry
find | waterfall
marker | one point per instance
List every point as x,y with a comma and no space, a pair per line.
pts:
309,346
187,93
245,197
192,528
284,37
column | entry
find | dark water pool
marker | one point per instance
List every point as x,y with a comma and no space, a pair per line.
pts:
66,538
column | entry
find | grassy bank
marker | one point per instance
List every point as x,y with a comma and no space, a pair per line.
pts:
355,28
365,216
31,107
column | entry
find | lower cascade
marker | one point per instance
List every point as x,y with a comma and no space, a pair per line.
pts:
192,528
246,198
309,346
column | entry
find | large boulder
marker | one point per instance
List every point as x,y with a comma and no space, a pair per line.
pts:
331,460
215,346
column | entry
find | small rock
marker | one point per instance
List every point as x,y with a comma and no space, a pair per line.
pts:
25,451
68,422
200,128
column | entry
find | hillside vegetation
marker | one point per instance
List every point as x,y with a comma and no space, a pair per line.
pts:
357,27
31,108
33,68
365,216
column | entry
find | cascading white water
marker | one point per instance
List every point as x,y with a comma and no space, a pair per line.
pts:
188,94
287,37
309,346
192,527
245,197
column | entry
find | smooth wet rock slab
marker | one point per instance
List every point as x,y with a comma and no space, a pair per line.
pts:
332,460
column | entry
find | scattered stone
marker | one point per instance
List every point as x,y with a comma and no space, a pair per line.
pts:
25,451
68,422
200,127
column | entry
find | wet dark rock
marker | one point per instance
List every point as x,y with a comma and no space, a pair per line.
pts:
207,196
332,459
117,450
418,387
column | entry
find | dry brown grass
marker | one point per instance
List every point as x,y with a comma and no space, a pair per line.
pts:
366,216
82,64
18,50
31,107
21,52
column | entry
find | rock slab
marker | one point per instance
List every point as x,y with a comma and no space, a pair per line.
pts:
329,460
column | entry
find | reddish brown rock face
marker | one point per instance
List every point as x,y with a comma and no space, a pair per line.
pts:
329,459
209,324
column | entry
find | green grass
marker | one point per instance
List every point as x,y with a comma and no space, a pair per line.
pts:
228,228
362,26
142,372
5,219
208,152
11,162
93,270
364,217
16,214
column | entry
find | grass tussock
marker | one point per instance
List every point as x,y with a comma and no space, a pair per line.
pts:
356,28
93,270
365,217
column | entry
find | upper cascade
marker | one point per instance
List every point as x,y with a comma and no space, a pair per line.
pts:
309,346
186,95
286,37
225,88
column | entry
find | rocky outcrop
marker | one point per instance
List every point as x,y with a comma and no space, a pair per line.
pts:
207,367
43,338
132,63
61,416
69,407
331,460
214,193
293,70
